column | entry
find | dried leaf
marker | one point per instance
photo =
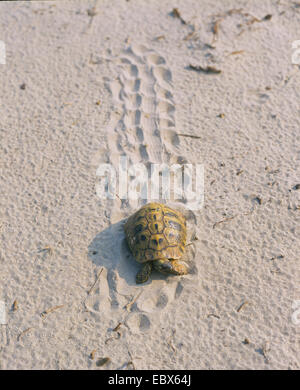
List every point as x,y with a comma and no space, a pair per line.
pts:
15,305
92,354
267,17
101,362
92,12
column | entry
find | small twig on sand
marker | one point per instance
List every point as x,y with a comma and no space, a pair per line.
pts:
24,332
190,243
93,286
213,315
176,14
216,30
48,311
189,36
159,37
207,70
113,338
188,135
234,53
242,306
131,361
223,220
117,327
129,304
47,249
229,218
92,12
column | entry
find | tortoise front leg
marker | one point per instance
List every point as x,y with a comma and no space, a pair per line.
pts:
174,267
143,275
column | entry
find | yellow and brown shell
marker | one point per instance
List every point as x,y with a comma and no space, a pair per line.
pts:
156,232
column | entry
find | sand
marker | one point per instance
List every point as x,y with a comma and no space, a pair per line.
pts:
85,82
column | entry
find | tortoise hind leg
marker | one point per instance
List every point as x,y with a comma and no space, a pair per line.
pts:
143,275
173,267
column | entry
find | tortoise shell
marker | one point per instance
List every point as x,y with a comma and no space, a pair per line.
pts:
156,232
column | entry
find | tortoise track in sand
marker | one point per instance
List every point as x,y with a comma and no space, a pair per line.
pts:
142,128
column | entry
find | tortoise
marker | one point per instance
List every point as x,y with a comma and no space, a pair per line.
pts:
156,236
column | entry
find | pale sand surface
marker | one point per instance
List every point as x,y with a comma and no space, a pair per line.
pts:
235,311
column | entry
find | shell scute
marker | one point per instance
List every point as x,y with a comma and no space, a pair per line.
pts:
156,232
